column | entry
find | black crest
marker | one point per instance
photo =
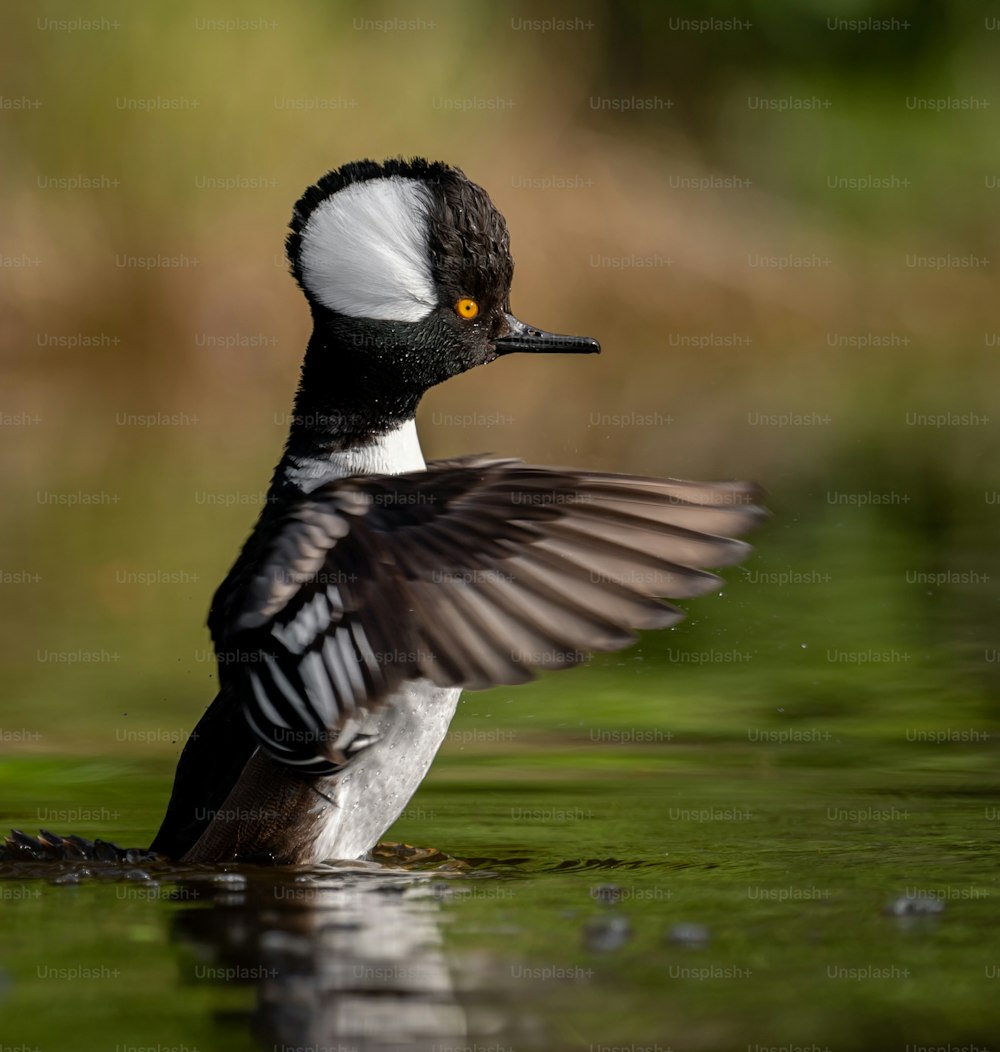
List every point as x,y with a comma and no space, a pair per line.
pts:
468,241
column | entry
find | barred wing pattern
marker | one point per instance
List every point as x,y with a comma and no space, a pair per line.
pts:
473,573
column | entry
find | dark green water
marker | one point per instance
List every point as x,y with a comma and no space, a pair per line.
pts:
559,929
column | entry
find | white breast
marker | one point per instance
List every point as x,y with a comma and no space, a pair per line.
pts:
374,789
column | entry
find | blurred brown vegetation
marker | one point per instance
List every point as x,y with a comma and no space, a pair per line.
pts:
586,190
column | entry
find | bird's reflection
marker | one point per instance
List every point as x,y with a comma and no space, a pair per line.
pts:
346,957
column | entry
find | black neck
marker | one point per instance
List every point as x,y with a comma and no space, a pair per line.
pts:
348,394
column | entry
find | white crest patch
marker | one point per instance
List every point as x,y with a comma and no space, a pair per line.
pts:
364,251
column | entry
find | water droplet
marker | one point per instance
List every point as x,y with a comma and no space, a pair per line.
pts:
607,933
694,935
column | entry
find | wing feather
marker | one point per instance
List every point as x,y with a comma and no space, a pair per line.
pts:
473,573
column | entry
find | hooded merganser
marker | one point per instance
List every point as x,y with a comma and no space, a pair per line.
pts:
375,587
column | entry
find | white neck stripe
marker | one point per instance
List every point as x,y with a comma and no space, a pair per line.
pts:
391,453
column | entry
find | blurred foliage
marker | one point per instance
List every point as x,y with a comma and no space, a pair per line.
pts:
704,346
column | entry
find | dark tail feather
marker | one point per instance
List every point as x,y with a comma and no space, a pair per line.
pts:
50,847
211,763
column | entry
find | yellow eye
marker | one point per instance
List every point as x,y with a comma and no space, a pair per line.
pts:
466,308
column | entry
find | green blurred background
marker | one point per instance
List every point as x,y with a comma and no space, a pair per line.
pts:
780,226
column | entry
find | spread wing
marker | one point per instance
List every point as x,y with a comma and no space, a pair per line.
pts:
473,573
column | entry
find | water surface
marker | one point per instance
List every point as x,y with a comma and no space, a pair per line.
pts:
668,900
